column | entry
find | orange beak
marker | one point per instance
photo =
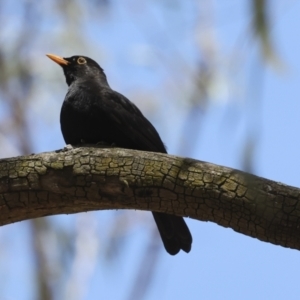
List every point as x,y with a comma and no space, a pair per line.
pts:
59,60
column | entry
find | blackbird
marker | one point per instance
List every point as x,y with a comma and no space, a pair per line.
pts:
92,112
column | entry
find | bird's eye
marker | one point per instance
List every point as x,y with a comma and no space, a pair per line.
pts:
81,61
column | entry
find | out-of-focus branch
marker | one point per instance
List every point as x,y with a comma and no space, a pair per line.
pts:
86,179
261,30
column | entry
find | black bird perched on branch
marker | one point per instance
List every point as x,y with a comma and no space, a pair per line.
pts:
92,112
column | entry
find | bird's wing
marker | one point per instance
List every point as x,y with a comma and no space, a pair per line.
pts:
130,121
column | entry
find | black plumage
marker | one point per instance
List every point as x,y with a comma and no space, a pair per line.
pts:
92,112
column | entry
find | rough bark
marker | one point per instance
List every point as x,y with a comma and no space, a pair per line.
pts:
84,179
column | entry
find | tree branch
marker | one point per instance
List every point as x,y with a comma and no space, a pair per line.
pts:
84,179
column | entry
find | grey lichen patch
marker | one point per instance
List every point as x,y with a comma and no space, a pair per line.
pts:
208,178
104,161
229,194
68,160
241,190
219,180
113,164
99,168
135,166
173,172
22,173
198,183
140,167
229,185
154,173
165,169
149,171
134,172
192,169
81,169
92,160
57,165
13,174
183,175
191,177
84,160
31,164
129,162
85,151
125,173
41,170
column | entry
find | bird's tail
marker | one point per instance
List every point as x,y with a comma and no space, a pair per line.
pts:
174,232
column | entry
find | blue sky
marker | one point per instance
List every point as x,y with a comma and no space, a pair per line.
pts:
150,53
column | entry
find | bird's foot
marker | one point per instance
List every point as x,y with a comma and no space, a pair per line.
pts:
65,149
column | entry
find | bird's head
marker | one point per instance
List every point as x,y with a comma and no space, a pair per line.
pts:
79,67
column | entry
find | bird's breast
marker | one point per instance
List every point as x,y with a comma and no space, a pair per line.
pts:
82,117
